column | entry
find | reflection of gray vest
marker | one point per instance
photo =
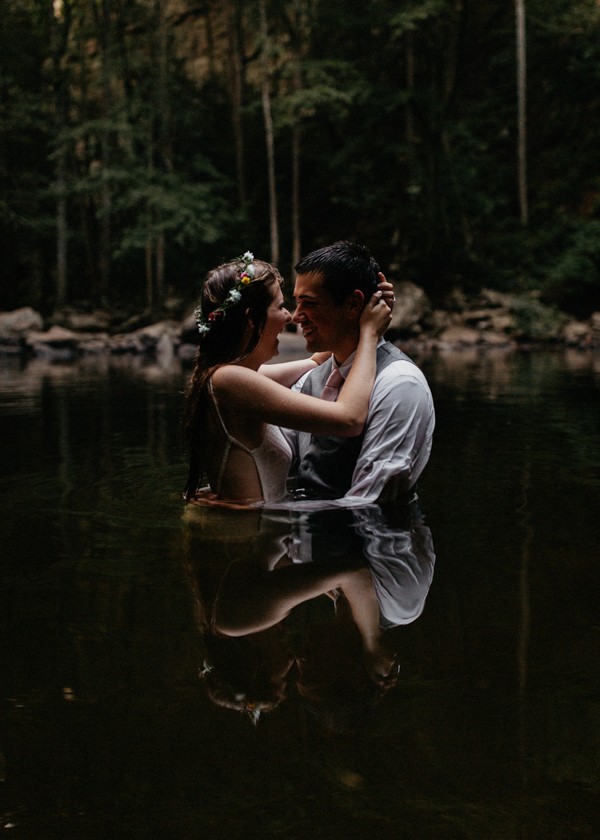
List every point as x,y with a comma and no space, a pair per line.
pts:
327,463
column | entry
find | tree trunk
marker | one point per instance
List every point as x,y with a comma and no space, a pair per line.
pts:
522,110
296,242
409,132
236,83
61,230
104,221
149,263
269,135
296,148
300,38
164,138
160,268
86,204
61,25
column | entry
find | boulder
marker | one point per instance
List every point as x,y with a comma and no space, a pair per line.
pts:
502,321
412,304
55,343
94,344
187,352
455,300
14,327
491,338
98,321
458,336
492,298
595,325
188,330
59,343
479,318
439,319
165,349
146,339
489,319
576,333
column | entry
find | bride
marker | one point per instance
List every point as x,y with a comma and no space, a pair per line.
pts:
235,403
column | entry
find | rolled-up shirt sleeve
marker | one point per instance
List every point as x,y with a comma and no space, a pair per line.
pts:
398,435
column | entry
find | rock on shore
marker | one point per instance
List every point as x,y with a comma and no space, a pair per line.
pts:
489,319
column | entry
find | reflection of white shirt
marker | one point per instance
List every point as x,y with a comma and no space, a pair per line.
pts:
399,555
401,561
398,433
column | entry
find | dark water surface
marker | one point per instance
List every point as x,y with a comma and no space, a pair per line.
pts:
111,604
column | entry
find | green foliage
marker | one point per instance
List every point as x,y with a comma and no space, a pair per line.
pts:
535,320
406,119
573,280
191,214
415,15
328,87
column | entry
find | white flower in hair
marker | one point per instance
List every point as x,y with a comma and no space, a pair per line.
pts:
247,273
234,295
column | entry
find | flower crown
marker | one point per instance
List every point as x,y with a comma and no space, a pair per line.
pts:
252,708
247,274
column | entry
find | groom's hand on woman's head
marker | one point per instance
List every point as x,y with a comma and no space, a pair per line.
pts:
387,289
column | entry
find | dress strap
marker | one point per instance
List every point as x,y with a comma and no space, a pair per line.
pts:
225,457
229,440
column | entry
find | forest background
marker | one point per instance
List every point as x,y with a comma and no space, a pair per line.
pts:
143,141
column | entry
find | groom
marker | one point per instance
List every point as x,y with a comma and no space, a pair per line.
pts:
384,463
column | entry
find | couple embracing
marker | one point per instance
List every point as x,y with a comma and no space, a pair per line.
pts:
354,422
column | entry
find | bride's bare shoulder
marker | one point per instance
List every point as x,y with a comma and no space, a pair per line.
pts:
232,376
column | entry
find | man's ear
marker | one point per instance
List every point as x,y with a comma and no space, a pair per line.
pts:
354,304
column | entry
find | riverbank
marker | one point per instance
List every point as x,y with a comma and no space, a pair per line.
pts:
489,319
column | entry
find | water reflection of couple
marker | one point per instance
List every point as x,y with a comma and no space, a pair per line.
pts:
249,424
249,582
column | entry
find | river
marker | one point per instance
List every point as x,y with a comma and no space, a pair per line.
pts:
490,727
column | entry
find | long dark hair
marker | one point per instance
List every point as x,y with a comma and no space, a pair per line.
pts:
224,342
246,673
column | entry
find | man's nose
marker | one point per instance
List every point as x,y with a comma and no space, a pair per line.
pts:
296,315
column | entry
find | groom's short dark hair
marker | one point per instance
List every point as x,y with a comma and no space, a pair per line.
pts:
344,267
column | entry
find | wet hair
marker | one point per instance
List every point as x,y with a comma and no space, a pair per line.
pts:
224,343
238,675
344,267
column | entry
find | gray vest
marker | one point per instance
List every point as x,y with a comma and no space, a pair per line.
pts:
326,463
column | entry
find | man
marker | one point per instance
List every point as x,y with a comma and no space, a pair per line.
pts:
384,463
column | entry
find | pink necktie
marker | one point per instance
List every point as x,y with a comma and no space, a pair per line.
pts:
332,387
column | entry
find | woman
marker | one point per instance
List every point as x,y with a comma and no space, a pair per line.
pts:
235,403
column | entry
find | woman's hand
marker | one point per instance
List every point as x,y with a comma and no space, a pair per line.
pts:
376,315
387,289
206,498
